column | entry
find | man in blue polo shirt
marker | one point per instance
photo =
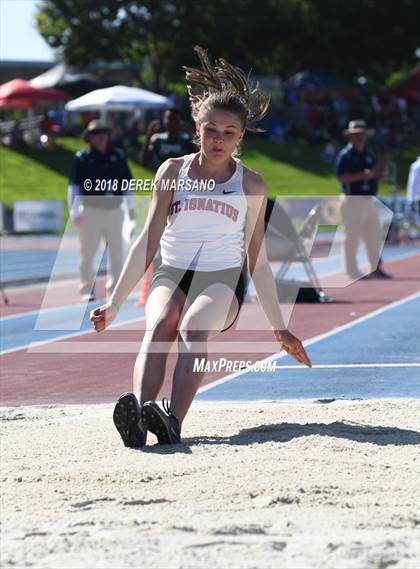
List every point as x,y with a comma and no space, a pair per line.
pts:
97,190
358,173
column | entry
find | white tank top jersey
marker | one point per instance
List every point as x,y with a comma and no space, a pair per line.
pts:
205,230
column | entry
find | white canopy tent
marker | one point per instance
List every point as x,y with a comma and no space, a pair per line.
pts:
119,98
68,78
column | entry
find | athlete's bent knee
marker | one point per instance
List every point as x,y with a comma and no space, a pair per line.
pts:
190,335
165,329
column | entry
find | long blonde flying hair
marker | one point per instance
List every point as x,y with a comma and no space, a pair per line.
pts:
226,87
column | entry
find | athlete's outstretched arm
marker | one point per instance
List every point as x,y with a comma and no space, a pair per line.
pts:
144,248
259,267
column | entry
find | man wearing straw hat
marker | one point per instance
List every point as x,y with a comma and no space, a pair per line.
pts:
358,173
95,199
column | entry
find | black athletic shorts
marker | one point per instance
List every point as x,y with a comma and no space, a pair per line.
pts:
193,283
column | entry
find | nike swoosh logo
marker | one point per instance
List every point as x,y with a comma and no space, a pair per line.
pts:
230,192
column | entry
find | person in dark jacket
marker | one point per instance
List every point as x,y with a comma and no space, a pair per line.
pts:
98,188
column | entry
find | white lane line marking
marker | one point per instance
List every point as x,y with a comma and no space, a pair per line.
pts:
67,336
350,366
315,339
299,402
63,307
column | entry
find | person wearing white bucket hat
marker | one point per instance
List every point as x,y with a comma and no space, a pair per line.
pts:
358,173
95,198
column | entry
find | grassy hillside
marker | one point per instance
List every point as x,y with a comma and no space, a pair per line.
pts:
41,174
289,169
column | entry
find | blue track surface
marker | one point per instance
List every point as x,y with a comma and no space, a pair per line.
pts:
33,263
389,337
38,263
20,330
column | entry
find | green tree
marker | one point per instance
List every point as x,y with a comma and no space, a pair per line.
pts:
370,37
373,37
156,36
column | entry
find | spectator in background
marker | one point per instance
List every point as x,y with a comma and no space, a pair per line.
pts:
86,118
133,131
48,125
153,127
358,174
376,105
95,213
329,152
340,108
413,184
116,138
173,142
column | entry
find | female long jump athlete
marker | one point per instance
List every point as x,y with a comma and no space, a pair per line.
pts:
204,237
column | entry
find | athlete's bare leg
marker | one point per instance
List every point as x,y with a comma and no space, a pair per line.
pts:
213,310
163,311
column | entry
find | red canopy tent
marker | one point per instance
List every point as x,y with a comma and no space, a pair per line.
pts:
21,94
410,88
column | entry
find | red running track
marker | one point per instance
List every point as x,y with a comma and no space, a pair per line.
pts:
51,375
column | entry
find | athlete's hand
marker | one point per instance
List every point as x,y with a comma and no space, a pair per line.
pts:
103,316
293,346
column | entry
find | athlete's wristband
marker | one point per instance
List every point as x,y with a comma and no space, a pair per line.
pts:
115,305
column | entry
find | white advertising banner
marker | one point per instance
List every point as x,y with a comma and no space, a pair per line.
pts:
40,215
2,213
